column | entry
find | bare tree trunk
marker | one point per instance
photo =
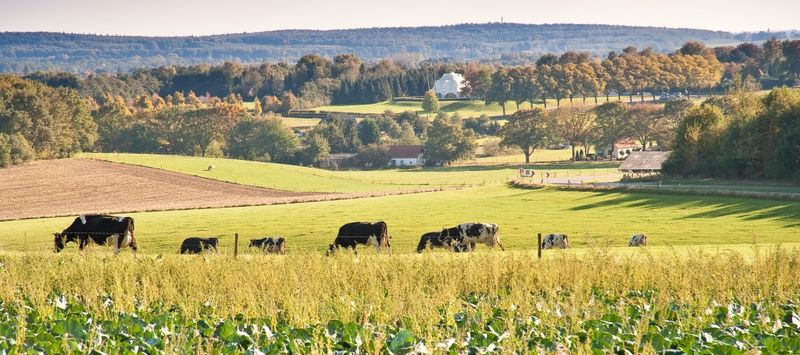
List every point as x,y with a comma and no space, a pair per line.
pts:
527,153
573,151
503,105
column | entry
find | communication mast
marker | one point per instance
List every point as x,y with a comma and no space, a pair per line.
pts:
286,51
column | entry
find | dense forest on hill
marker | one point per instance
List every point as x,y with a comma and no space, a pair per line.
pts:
510,43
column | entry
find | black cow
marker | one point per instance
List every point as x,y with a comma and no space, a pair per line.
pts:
195,245
458,241
352,234
435,240
100,230
276,245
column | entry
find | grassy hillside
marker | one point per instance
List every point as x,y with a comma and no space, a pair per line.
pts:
466,109
297,178
590,218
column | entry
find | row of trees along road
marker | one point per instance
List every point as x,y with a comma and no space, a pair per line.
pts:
600,126
577,75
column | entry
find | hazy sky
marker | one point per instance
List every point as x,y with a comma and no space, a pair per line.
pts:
200,17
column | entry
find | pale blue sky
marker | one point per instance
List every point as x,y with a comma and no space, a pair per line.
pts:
200,17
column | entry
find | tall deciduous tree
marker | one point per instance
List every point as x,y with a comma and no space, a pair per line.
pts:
447,141
611,123
501,89
575,125
645,123
526,129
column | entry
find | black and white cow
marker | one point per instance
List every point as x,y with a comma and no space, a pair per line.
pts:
555,240
100,230
197,245
352,234
638,240
271,245
469,234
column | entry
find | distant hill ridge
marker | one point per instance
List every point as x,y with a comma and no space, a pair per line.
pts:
30,51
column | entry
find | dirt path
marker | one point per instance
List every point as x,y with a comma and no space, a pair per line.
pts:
79,186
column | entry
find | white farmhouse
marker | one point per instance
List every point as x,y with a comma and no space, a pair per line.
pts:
449,86
405,155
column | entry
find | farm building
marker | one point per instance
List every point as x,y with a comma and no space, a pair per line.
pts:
406,155
335,161
623,147
449,86
644,162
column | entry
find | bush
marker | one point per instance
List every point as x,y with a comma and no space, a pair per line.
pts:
14,150
372,157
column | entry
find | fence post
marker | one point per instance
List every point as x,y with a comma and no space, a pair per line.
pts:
235,245
539,245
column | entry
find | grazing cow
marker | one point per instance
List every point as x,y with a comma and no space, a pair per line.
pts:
435,240
555,240
276,245
473,233
100,230
638,240
195,245
352,234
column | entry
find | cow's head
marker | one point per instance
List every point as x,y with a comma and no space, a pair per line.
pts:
213,242
255,243
280,246
566,241
59,241
383,238
331,249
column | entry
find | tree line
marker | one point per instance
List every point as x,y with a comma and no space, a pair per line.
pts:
315,80
742,135
78,53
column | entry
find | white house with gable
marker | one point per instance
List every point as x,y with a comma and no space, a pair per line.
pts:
449,86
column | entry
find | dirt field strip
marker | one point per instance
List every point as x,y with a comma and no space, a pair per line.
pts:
80,186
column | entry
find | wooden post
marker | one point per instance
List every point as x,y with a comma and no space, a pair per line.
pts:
539,245
235,245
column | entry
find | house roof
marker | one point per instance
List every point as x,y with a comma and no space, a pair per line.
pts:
644,161
404,151
626,143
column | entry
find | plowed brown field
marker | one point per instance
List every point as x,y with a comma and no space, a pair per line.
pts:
79,186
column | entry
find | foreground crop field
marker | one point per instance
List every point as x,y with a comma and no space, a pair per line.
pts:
482,302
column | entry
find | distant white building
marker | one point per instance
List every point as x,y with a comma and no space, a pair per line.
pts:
406,155
449,86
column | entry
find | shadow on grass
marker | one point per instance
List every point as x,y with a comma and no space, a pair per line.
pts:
746,209
508,166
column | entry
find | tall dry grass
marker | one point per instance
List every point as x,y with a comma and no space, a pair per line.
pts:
417,290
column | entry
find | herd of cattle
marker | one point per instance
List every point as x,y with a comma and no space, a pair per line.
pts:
119,233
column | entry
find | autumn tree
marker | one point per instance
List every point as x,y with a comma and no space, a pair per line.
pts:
526,129
501,89
645,123
611,123
575,125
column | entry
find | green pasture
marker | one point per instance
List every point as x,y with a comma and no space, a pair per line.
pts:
466,109
297,178
591,219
